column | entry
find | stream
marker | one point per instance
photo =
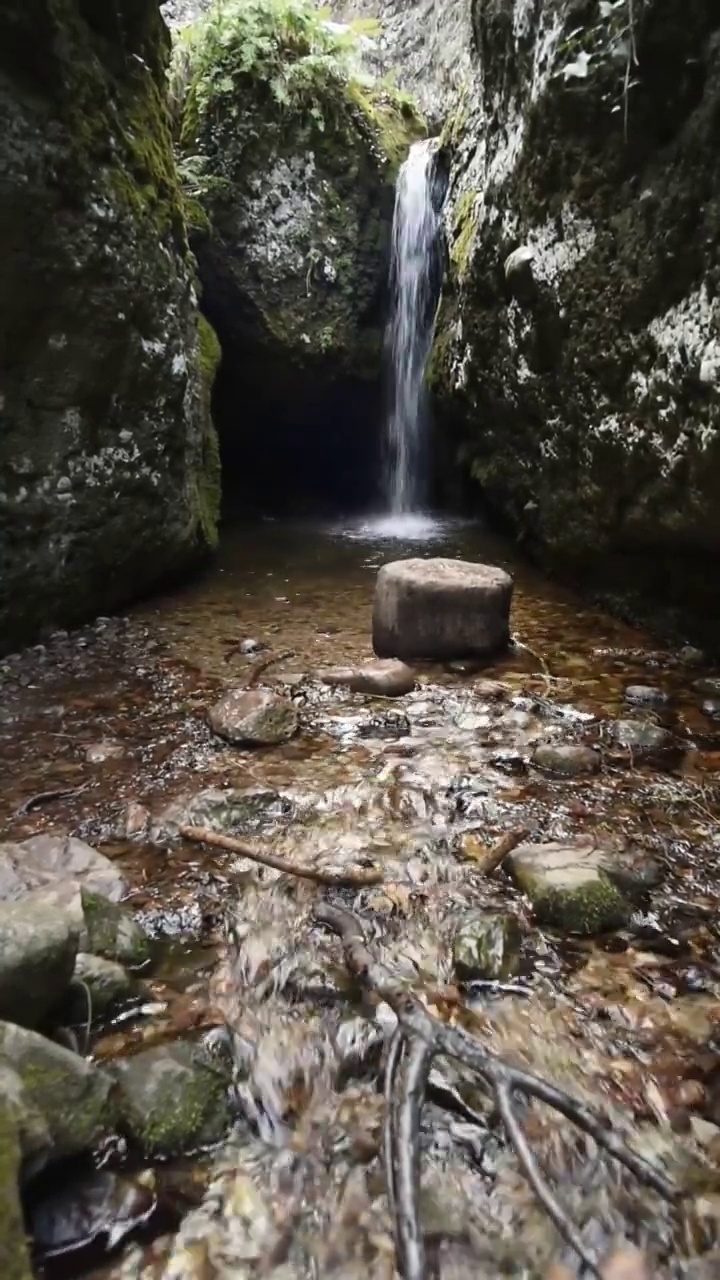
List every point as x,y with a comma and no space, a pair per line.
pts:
116,714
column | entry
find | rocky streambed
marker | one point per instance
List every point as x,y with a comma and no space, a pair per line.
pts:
193,1071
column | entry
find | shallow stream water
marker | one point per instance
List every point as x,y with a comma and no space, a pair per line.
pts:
414,784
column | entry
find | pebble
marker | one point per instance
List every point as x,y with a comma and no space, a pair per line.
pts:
645,695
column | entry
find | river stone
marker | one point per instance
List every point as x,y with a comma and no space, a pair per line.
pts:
711,708
104,927
99,752
486,946
93,1207
173,1099
46,860
645,695
387,677
104,984
569,887
61,1102
569,759
253,718
440,608
639,735
37,956
709,686
14,1259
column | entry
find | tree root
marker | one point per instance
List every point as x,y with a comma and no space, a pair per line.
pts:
418,1038
338,880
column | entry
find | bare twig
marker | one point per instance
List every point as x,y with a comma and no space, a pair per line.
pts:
261,667
424,1036
46,797
339,879
493,857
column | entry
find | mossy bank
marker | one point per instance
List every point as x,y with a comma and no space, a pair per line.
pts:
108,463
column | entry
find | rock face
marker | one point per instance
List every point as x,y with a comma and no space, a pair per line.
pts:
291,162
577,352
253,718
440,608
106,444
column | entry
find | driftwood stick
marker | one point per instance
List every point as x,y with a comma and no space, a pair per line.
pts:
45,797
338,880
406,1076
498,852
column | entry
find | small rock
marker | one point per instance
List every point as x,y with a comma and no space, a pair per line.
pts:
389,725
173,1099
386,677
62,1103
48,860
136,821
92,1208
568,886
569,759
440,609
711,708
237,810
709,686
638,735
487,946
645,695
254,718
691,657
248,646
104,984
493,689
99,752
37,957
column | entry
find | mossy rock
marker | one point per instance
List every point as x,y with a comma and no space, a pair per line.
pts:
569,887
487,945
173,1099
107,446
111,932
14,1258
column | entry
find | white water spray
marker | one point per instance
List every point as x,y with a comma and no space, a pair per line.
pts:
416,224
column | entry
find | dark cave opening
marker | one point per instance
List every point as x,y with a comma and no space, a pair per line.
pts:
315,452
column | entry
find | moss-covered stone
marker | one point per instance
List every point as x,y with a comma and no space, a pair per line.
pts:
588,410
569,887
111,932
173,1099
14,1259
105,435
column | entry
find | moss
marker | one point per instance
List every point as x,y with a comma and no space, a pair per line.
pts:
594,907
112,932
464,227
14,1259
172,1100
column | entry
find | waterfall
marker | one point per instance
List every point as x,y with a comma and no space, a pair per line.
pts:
413,286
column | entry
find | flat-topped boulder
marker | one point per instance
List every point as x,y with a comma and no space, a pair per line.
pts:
441,608
386,678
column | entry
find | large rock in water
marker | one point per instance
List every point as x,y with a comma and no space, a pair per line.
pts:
108,459
44,861
253,718
440,608
292,161
587,401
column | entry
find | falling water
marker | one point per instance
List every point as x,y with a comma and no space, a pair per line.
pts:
413,282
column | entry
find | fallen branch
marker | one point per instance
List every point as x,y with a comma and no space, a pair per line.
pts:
493,857
45,797
338,880
261,667
418,1038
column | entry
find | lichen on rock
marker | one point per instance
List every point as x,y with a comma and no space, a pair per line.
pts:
108,474
584,398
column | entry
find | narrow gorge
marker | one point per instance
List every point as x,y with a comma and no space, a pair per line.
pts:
359,639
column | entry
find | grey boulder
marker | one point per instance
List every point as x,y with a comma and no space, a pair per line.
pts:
47,860
440,608
38,946
173,1098
253,718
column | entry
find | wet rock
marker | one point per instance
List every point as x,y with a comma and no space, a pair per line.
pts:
48,860
173,1098
639,735
691,657
634,871
98,985
569,887
112,932
103,927
14,1259
709,686
62,1104
440,608
486,946
254,718
389,725
99,752
135,822
237,810
37,956
93,1208
568,759
711,708
645,695
387,678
